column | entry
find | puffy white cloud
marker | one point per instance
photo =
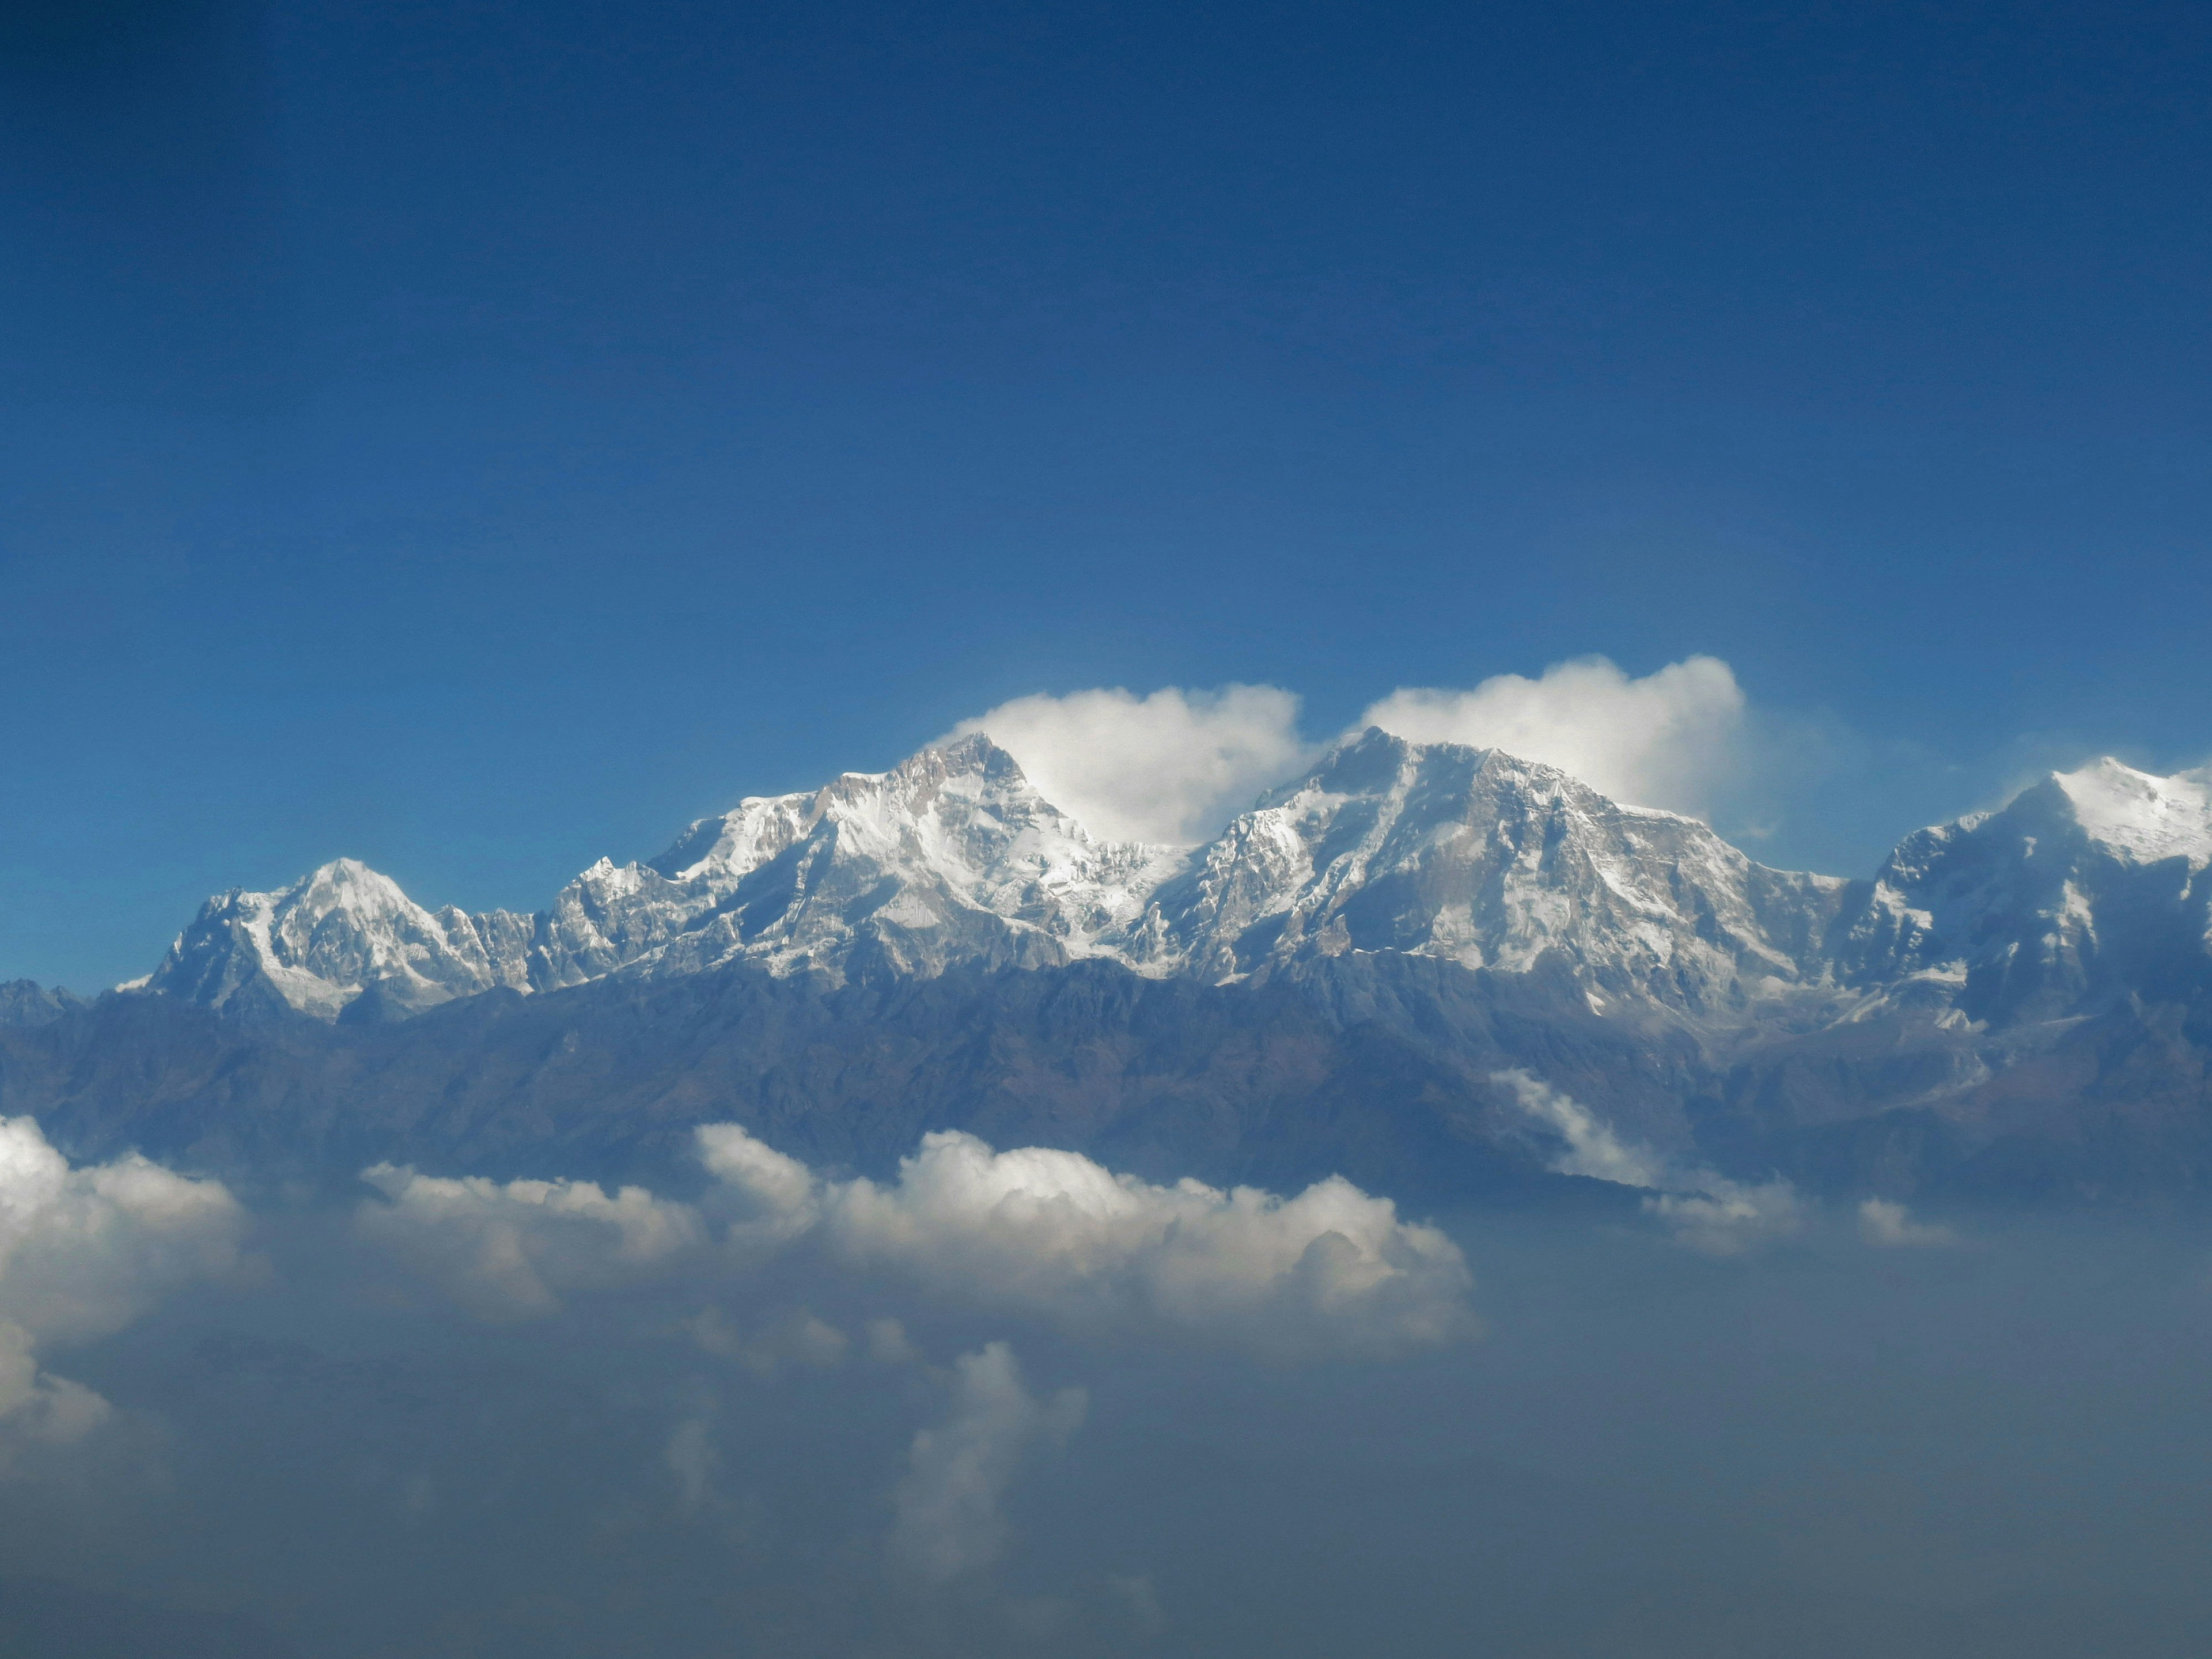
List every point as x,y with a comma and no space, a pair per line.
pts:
510,1251
83,1252
949,1520
1332,1269
1889,1225
1669,739
1173,767
1704,1210
1052,1234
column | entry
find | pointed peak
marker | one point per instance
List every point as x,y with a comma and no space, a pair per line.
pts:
347,884
971,754
2147,816
350,872
1373,760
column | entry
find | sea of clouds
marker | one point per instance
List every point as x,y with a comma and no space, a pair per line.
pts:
1012,1401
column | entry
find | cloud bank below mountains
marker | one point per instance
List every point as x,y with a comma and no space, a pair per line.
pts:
84,1252
1331,1271
1176,765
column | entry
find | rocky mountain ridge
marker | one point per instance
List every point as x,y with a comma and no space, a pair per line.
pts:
2089,884
953,858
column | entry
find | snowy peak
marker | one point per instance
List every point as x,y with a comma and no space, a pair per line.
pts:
950,856
2088,881
2083,887
331,937
1493,861
2139,816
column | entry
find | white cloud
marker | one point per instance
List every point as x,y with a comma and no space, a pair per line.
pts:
1331,1271
948,1506
1727,1218
1173,767
1592,1148
509,1251
1706,1211
84,1252
1889,1225
1671,739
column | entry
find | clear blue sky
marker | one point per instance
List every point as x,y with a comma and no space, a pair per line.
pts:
478,437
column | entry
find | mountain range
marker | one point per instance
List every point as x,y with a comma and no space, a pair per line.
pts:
1343,979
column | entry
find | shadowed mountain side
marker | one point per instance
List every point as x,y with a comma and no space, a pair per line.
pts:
1376,1069
1379,1066
2111,1105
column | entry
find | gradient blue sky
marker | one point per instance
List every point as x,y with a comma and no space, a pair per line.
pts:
478,437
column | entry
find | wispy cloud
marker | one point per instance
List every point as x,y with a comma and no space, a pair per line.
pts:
949,1519
1703,1209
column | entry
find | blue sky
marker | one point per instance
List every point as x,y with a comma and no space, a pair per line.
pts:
475,438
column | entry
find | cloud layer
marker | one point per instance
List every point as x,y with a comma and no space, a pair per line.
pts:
512,1250
1172,766
1047,1234
84,1252
1669,739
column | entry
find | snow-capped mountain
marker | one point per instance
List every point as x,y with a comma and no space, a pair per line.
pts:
2088,886
949,857
1474,856
2016,1002
2092,880
323,941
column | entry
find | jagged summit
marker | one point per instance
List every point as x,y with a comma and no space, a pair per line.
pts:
321,943
1471,856
951,856
1491,861
2085,886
